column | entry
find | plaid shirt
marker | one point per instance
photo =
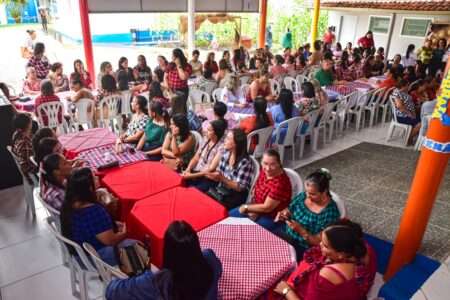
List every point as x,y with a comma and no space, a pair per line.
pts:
42,68
23,149
33,87
175,82
88,222
343,73
312,222
46,99
278,188
242,173
53,196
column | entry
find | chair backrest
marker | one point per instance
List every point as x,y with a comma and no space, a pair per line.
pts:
291,84
126,102
301,79
50,223
292,73
339,202
364,98
245,90
198,139
254,179
217,94
291,126
52,110
386,96
280,79
244,80
352,100
310,118
51,211
112,104
274,86
264,135
16,161
198,96
85,112
327,110
376,96
107,272
209,87
412,84
296,182
393,108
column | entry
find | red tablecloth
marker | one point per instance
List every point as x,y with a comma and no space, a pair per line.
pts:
95,157
76,142
153,215
138,181
253,259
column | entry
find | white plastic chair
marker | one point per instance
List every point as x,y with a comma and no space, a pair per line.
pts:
28,188
33,161
422,135
395,124
245,90
290,128
301,79
112,105
52,110
412,84
309,118
216,94
244,80
254,179
325,120
263,135
373,104
126,103
339,202
350,101
292,73
107,272
359,108
198,139
274,86
384,105
291,84
198,97
296,182
85,113
209,88
78,274
280,79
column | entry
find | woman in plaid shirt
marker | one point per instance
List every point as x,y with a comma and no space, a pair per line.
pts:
39,61
177,73
309,213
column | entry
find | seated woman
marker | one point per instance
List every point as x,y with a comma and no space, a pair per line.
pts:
123,66
210,63
272,193
41,133
124,84
391,79
277,68
235,170
405,109
155,132
289,64
47,96
22,146
51,145
223,74
309,213
197,66
207,157
54,171
141,71
83,219
367,67
138,121
356,68
59,80
219,112
179,106
80,72
109,88
343,267
187,272
204,80
105,68
308,102
300,63
80,91
284,110
32,85
156,94
321,95
179,144
232,93
260,119
418,93
261,87
342,68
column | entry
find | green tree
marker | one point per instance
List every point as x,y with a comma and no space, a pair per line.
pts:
15,7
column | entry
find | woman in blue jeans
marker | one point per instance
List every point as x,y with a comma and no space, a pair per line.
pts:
272,193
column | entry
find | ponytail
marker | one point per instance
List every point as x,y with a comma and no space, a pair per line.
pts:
346,236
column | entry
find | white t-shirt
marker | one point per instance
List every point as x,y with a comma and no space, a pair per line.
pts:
230,99
409,61
29,43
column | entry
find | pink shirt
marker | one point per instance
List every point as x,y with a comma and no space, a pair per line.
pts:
277,70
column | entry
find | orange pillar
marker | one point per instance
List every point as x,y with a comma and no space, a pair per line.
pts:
262,23
87,39
430,169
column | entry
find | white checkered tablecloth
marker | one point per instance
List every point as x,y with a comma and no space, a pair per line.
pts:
95,157
253,259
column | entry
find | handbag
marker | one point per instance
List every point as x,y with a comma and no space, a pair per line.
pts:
219,193
171,163
135,259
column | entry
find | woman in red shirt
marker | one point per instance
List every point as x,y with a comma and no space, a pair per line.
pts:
211,63
261,87
47,95
391,79
366,42
80,72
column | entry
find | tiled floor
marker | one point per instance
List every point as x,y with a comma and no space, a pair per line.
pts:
372,179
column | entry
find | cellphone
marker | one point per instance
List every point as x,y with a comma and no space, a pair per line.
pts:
284,218
131,150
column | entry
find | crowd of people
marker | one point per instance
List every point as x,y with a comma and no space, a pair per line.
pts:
334,259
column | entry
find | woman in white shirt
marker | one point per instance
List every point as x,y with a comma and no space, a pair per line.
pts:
232,93
409,59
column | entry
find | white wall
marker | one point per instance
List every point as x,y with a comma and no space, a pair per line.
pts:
3,18
398,43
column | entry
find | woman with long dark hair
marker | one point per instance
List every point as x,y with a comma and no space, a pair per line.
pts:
207,157
235,170
210,63
138,121
261,87
260,119
54,171
284,110
409,59
80,72
83,219
22,146
123,65
177,73
142,71
188,273
39,61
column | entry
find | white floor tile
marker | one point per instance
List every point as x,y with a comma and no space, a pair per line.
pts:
328,149
28,258
12,201
307,159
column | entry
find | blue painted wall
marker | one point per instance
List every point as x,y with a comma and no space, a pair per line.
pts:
29,14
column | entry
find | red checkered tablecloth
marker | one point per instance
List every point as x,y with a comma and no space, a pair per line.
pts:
253,259
342,89
95,157
77,142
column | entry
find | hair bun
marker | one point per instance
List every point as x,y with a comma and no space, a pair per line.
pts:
325,172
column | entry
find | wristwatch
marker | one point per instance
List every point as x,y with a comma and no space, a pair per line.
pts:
305,236
245,207
285,291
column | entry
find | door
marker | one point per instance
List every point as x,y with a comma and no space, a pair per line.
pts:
348,29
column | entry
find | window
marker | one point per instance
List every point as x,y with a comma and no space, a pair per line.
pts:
415,27
379,24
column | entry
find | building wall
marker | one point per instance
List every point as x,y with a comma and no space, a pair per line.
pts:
398,43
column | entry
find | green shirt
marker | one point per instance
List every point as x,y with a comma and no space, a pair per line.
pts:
155,134
186,156
287,40
325,77
312,222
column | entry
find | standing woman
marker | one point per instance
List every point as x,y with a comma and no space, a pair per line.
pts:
28,46
436,60
59,80
141,71
80,72
235,170
123,65
211,63
177,73
409,59
43,16
39,61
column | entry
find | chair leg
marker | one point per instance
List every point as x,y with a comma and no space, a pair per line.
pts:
302,145
281,151
315,139
372,115
390,132
331,131
293,155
